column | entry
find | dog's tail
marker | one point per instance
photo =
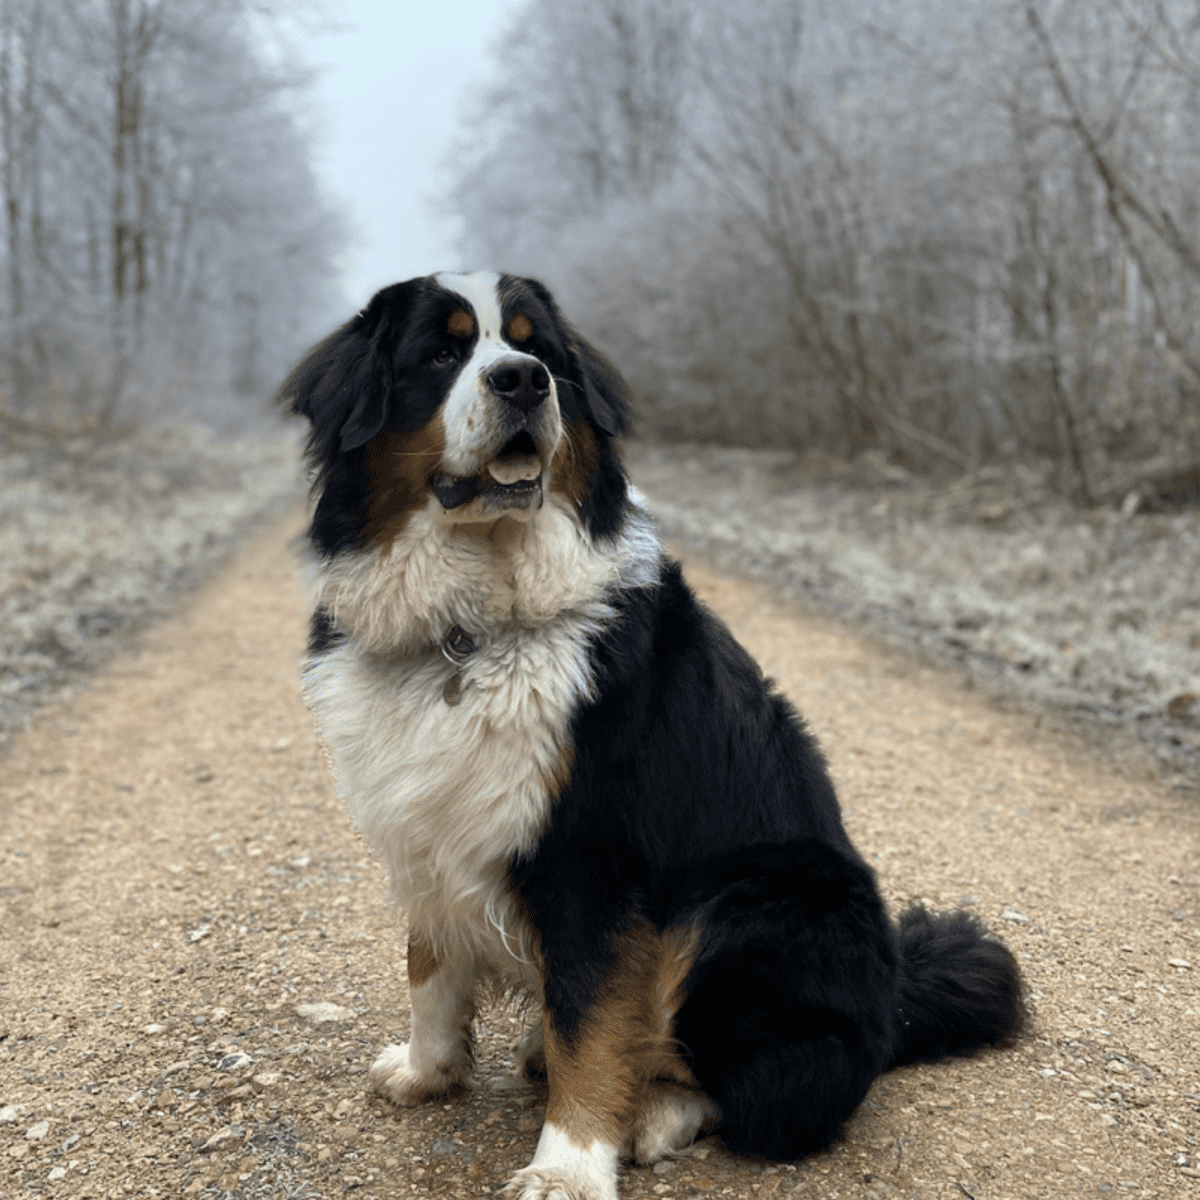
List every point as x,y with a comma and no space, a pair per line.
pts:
960,989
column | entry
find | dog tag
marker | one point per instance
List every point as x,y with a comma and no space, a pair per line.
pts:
457,646
452,692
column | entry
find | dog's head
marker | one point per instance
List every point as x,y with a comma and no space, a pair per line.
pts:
470,393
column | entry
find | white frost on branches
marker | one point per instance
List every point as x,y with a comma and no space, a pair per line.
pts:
952,230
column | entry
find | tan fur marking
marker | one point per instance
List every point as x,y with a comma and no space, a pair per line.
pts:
422,963
461,324
520,328
555,776
627,1038
398,468
574,464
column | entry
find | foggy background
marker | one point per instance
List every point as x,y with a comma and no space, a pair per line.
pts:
923,266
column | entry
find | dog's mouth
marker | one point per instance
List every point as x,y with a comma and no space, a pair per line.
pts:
511,480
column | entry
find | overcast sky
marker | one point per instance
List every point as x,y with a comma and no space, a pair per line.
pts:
392,78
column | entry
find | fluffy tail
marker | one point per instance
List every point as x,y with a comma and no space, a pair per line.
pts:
959,988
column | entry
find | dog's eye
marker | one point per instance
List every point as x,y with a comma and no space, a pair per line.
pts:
442,357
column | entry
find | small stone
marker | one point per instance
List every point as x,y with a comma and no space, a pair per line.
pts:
665,1167
445,1146
1011,914
70,1143
238,1061
8,1114
1180,964
265,1079
57,1173
218,1139
196,934
153,1029
324,1013
36,1132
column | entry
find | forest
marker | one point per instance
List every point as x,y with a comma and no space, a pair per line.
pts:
165,244
956,233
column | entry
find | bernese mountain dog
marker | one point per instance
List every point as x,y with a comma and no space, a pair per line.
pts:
583,788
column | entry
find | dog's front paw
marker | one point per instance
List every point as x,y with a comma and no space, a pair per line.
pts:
565,1169
554,1183
395,1076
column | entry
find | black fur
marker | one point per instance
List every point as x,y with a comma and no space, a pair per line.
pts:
698,795
322,633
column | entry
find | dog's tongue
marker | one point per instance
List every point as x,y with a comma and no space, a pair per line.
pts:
452,491
515,469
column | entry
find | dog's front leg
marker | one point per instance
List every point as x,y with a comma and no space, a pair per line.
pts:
437,1058
592,1086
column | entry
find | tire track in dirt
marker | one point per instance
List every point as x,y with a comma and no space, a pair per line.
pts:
178,880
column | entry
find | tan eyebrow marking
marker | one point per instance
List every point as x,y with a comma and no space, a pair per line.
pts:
461,323
520,328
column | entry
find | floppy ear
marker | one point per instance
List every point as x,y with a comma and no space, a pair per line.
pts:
344,384
605,392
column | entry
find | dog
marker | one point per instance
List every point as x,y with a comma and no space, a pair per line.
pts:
581,785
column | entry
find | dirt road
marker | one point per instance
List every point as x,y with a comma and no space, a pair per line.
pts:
196,963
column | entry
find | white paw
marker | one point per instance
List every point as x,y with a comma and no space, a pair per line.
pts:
564,1169
669,1120
551,1183
397,1078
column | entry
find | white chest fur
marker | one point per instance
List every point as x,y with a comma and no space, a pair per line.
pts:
447,795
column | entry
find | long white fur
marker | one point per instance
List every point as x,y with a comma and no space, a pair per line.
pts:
447,795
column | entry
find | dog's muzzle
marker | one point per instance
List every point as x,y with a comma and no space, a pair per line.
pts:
518,390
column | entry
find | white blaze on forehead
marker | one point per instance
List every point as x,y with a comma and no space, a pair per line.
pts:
481,289
469,419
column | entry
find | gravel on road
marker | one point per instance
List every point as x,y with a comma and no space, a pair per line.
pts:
197,963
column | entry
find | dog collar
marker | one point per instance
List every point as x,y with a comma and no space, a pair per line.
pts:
457,646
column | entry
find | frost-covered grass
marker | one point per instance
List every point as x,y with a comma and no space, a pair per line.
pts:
1095,614
97,538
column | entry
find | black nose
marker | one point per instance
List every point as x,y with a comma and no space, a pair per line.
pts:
522,382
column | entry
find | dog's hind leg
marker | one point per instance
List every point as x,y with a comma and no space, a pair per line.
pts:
437,1058
788,1016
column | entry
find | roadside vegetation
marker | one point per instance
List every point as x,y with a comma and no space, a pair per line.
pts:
957,233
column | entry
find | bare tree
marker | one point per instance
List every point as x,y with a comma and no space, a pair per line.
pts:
162,218
948,230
